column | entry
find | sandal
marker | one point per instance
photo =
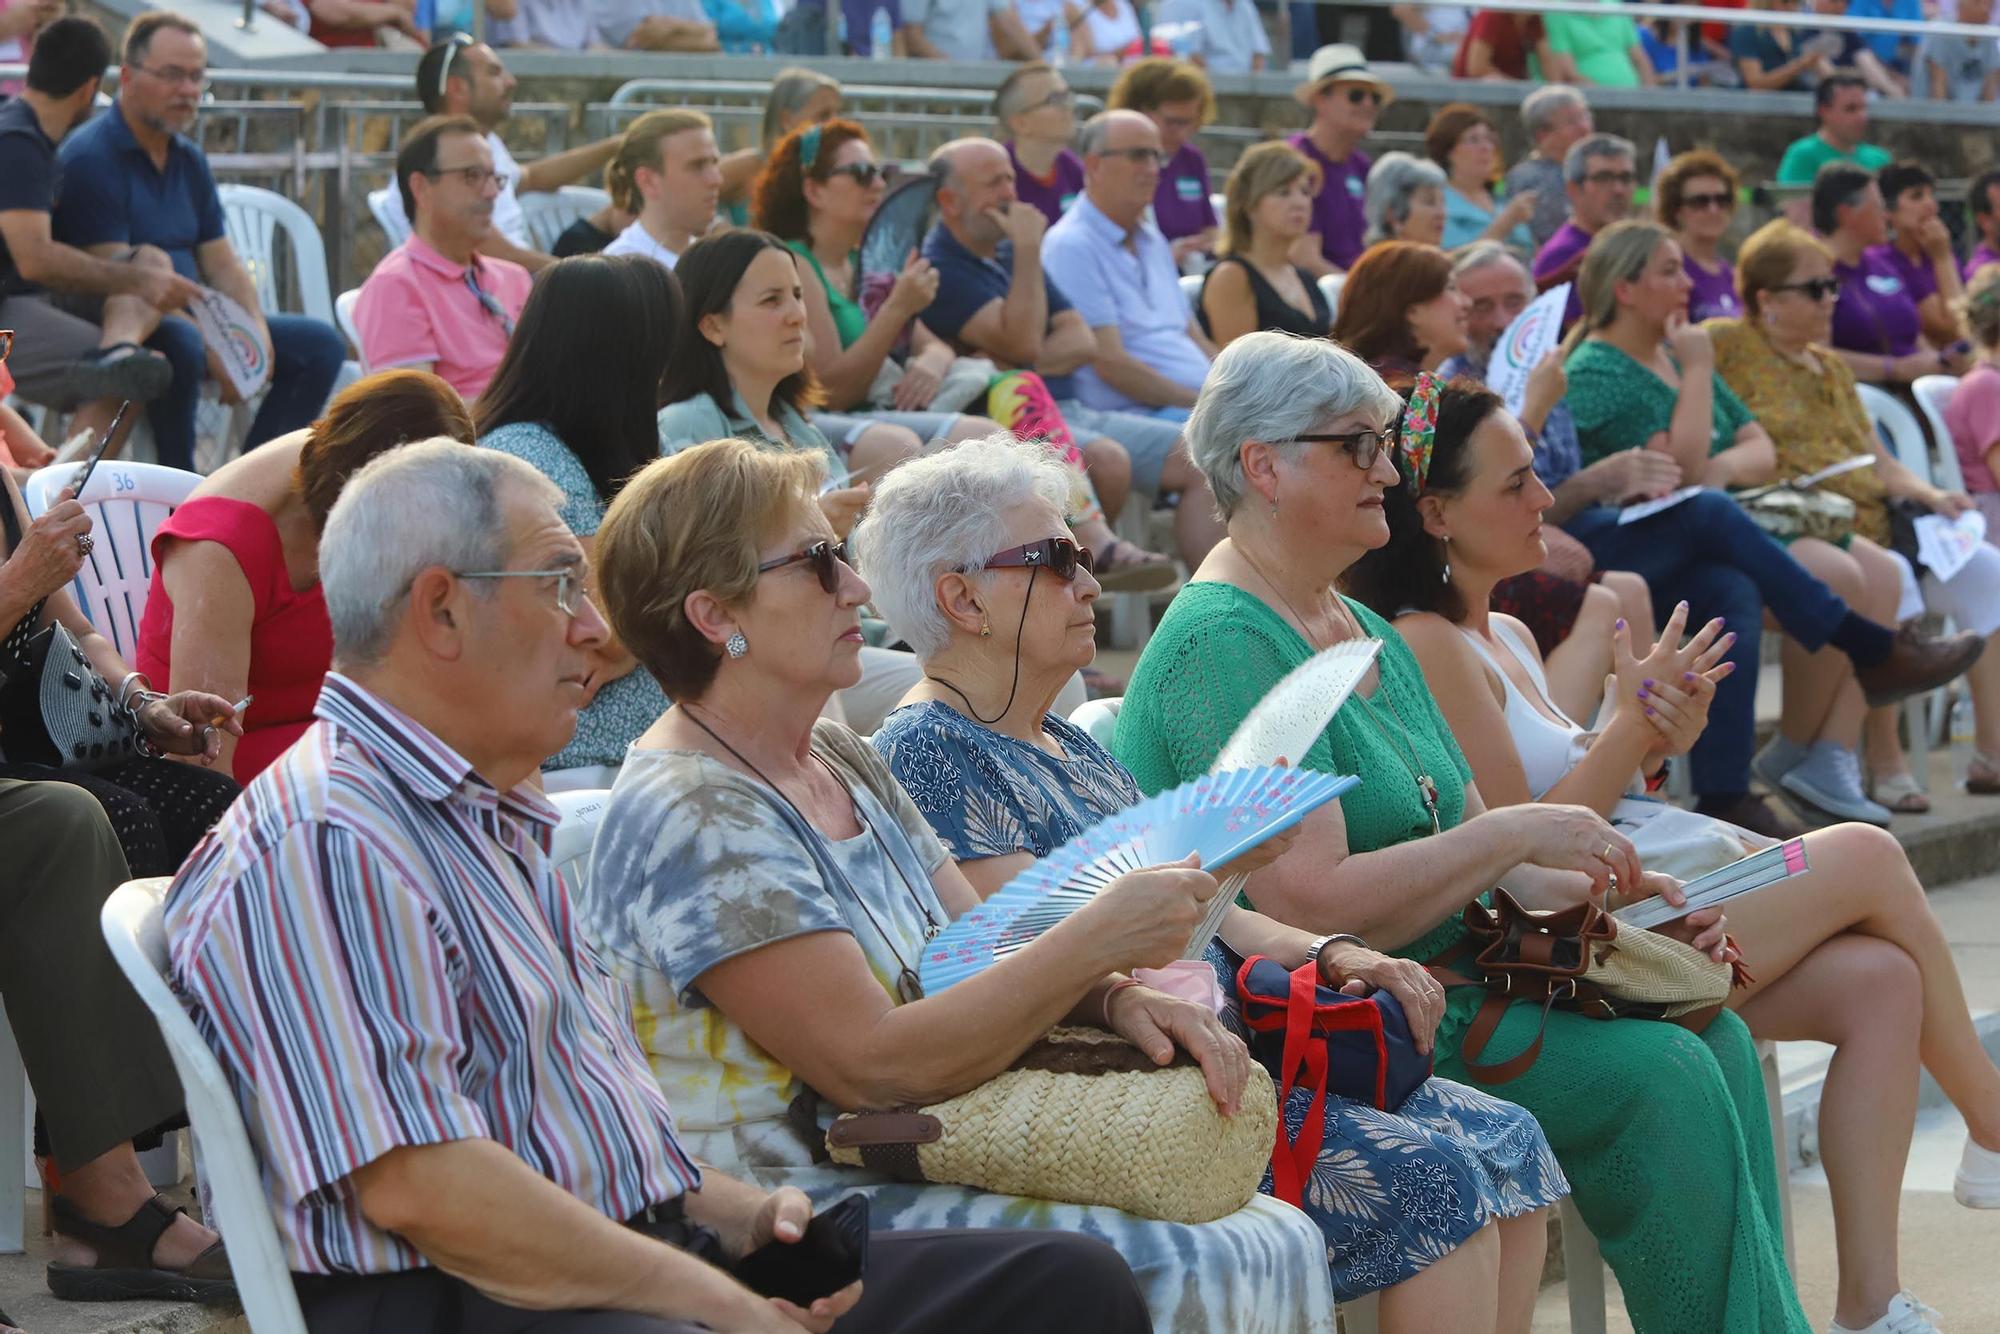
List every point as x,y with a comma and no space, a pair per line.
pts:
1982,775
125,1270
1900,793
1125,567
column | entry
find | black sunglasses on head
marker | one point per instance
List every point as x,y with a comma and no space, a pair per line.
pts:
1058,555
826,558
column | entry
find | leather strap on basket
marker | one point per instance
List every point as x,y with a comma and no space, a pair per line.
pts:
1292,1160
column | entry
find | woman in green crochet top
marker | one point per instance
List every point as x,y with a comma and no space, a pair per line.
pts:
1663,1132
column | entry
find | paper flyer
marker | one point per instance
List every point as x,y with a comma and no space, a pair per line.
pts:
235,336
1523,344
1945,545
1647,508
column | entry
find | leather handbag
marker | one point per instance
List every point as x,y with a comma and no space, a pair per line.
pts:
1309,1035
1580,958
1083,1117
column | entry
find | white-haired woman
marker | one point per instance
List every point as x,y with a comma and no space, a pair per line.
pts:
1661,1131
1405,200
766,889
972,563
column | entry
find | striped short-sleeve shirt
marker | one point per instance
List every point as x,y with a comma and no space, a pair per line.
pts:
377,948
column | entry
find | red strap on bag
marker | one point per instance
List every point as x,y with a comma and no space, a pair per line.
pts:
1306,1023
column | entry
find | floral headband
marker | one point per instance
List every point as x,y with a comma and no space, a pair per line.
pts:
1418,431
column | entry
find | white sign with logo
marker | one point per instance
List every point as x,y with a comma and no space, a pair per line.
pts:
1522,346
1945,545
236,338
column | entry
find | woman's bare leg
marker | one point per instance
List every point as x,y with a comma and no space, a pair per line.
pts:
1577,668
1524,1246
1635,597
1864,996
1455,1293
1110,469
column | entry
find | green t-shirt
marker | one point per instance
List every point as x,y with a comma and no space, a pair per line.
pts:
849,319
1619,404
1806,156
1601,47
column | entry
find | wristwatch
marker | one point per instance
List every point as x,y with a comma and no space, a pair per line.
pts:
1314,950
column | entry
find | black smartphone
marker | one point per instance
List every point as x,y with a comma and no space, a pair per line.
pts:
111,435
832,1254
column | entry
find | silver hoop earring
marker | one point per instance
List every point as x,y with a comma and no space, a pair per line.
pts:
736,645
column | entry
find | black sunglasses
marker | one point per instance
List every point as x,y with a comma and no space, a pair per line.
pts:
1058,555
1359,95
826,558
863,173
1695,203
1817,289
1365,446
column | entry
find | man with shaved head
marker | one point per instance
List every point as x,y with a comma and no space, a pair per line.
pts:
994,300
1118,269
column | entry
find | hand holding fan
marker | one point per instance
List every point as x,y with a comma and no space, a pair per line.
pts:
1219,816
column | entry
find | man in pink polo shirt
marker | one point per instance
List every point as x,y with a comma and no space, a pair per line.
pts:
435,303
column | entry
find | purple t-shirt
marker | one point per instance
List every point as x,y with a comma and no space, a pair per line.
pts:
1180,204
1563,251
1978,259
1714,294
1337,212
1052,197
1876,312
1919,278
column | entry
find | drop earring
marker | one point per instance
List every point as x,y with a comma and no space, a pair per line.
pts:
736,645
985,630
1444,576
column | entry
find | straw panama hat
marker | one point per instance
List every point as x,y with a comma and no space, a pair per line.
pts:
1344,62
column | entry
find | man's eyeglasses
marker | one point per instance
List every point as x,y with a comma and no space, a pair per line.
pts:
569,584
1698,203
1145,156
1365,446
1061,97
826,559
475,176
1626,178
1815,289
863,174
1058,555
173,75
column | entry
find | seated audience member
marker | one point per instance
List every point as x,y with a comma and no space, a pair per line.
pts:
1879,325
64,359
1105,32
1405,200
1498,44
1555,117
1599,177
963,30
799,96
1036,108
745,27
132,178
1919,250
21,449
235,606
1597,51
1175,96
1695,199
1642,377
435,303
1344,97
1892,52
1627,1105
462,77
159,808
1254,284
1432,34
668,175
561,25
452,683
1973,413
578,396
1769,58
94,1058
1464,144
654,25
1985,223
1004,790
1221,36
1404,314
723,575
338,23
1113,263
1777,361
1859,912
1840,104
994,299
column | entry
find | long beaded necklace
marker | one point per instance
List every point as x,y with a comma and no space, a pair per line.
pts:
1427,788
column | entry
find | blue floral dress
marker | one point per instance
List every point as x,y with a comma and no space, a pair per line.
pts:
1392,1191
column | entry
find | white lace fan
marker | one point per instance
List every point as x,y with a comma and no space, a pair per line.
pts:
1283,726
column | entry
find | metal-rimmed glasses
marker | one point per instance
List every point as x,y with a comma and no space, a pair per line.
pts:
1365,445
1060,556
826,559
570,592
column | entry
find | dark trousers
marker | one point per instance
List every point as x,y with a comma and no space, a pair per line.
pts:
1000,1281
91,1049
1711,554
306,358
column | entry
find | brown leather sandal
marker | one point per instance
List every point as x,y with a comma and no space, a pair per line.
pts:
125,1269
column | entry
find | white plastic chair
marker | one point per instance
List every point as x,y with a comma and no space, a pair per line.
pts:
1191,291
582,811
253,218
389,215
1932,393
127,502
232,1183
1099,718
343,319
548,213
1329,287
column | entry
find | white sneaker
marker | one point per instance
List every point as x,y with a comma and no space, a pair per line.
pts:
1906,1315
1977,1185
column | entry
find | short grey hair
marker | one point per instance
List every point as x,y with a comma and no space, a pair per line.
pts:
943,512
1091,135
1484,254
1576,162
1392,182
1274,387
436,502
1540,108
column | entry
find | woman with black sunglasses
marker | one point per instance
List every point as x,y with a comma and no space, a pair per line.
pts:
1695,196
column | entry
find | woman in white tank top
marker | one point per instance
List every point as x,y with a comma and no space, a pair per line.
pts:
1847,953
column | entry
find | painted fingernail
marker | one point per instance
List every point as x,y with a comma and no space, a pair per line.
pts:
1683,606
1642,692
1729,638
1648,683
1649,710
1687,676
1621,622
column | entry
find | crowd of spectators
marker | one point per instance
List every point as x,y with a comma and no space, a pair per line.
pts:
801,556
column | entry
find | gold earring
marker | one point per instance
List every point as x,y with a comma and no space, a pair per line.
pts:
985,630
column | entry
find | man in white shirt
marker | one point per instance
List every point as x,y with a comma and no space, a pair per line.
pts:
461,77
668,174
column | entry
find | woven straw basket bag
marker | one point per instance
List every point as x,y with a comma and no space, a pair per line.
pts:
1641,965
1083,1118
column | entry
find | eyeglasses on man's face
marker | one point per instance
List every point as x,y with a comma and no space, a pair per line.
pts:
175,76
1143,156
1623,179
478,176
568,584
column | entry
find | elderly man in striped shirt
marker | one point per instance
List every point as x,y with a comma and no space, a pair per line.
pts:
457,1130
